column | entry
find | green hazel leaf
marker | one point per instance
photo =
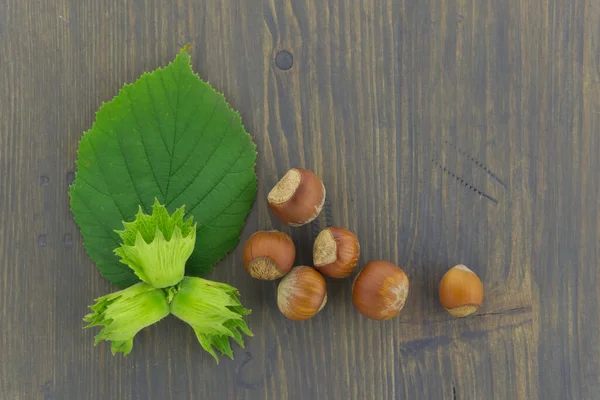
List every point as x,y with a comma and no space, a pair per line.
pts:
169,136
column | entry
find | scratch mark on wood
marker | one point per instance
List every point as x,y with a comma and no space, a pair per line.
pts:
465,183
239,369
478,163
453,391
42,241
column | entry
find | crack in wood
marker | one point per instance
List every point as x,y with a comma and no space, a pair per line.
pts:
517,310
447,319
465,183
478,163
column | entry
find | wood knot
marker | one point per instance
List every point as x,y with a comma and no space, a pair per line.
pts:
284,60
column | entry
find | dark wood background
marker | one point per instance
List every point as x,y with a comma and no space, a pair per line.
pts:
446,131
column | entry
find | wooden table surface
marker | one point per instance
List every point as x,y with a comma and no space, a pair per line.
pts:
446,131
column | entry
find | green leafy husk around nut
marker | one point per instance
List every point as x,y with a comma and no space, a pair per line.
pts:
214,311
156,247
124,313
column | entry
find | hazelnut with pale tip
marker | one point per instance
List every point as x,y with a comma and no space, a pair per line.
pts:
380,290
302,293
461,291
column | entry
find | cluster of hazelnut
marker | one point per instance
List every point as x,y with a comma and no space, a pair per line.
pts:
379,290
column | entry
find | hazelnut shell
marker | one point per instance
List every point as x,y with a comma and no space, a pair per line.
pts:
269,255
380,290
302,293
297,198
335,252
461,291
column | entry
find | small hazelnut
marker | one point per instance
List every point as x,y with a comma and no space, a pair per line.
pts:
461,291
269,255
380,290
335,252
302,293
297,198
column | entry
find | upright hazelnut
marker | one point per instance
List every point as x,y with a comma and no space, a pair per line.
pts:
335,252
269,255
297,198
302,293
380,290
461,291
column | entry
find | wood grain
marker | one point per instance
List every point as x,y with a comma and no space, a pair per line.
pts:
446,131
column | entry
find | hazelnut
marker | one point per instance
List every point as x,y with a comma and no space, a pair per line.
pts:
297,198
461,291
380,290
335,252
302,293
269,255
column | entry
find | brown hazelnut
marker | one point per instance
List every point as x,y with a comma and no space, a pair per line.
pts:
297,198
335,252
302,293
380,290
269,255
461,291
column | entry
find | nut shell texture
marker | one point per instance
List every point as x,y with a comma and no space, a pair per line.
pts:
380,290
461,291
302,293
297,198
269,255
335,252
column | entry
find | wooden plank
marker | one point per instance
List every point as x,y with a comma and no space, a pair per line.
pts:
566,217
446,131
